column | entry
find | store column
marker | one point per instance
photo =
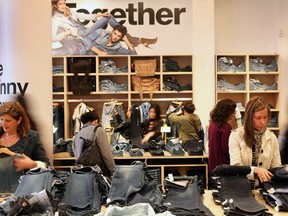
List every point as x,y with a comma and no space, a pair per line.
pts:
25,60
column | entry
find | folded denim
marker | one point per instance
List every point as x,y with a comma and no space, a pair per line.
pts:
136,152
174,148
194,147
226,64
230,170
156,152
32,204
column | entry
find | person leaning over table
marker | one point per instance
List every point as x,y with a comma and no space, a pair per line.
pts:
15,135
187,121
254,144
151,127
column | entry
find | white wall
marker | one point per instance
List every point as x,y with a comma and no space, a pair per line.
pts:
255,27
25,54
203,57
246,26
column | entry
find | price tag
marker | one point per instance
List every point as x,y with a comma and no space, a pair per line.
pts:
170,177
166,129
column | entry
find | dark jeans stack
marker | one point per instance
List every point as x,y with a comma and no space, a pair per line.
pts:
132,184
233,192
174,147
38,192
185,200
82,195
275,191
171,84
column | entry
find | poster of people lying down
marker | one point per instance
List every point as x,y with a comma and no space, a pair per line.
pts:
113,27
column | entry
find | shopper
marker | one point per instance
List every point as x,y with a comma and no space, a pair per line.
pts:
283,144
123,127
90,120
189,122
68,32
254,144
16,136
152,126
222,120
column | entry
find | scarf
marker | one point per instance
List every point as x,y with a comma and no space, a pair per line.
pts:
257,145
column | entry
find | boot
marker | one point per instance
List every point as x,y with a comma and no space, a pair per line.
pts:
132,40
144,41
147,41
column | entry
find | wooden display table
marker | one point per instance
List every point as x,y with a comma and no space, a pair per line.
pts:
217,209
182,164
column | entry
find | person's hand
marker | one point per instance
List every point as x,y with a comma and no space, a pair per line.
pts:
263,174
145,139
24,162
179,112
106,14
102,53
115,111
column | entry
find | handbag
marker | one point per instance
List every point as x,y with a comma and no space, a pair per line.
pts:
145,84
91,154
194,147
145,68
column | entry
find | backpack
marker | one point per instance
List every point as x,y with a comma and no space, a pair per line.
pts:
145,84
81,85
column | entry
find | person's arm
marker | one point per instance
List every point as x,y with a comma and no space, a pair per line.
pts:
176,117
234,149
34,154
235,152
129,45
89,45
104,147
154,134
82,16
119,120
77,146
122,127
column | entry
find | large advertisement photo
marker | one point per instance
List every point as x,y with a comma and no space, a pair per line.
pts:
113,27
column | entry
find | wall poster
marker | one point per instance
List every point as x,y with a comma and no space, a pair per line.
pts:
153,27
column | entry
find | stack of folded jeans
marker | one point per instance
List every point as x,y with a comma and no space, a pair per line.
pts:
39,187
185,200
174,147
223,84
257,85
84,181
136,152
31,204
119,149
171,84
273,122
56,69
275,191
155,173
231,190
107,85
109,66
131,185
227,64
257,64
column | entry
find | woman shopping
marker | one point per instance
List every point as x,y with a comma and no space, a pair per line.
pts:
21,148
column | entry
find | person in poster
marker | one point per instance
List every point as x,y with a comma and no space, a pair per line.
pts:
68,33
